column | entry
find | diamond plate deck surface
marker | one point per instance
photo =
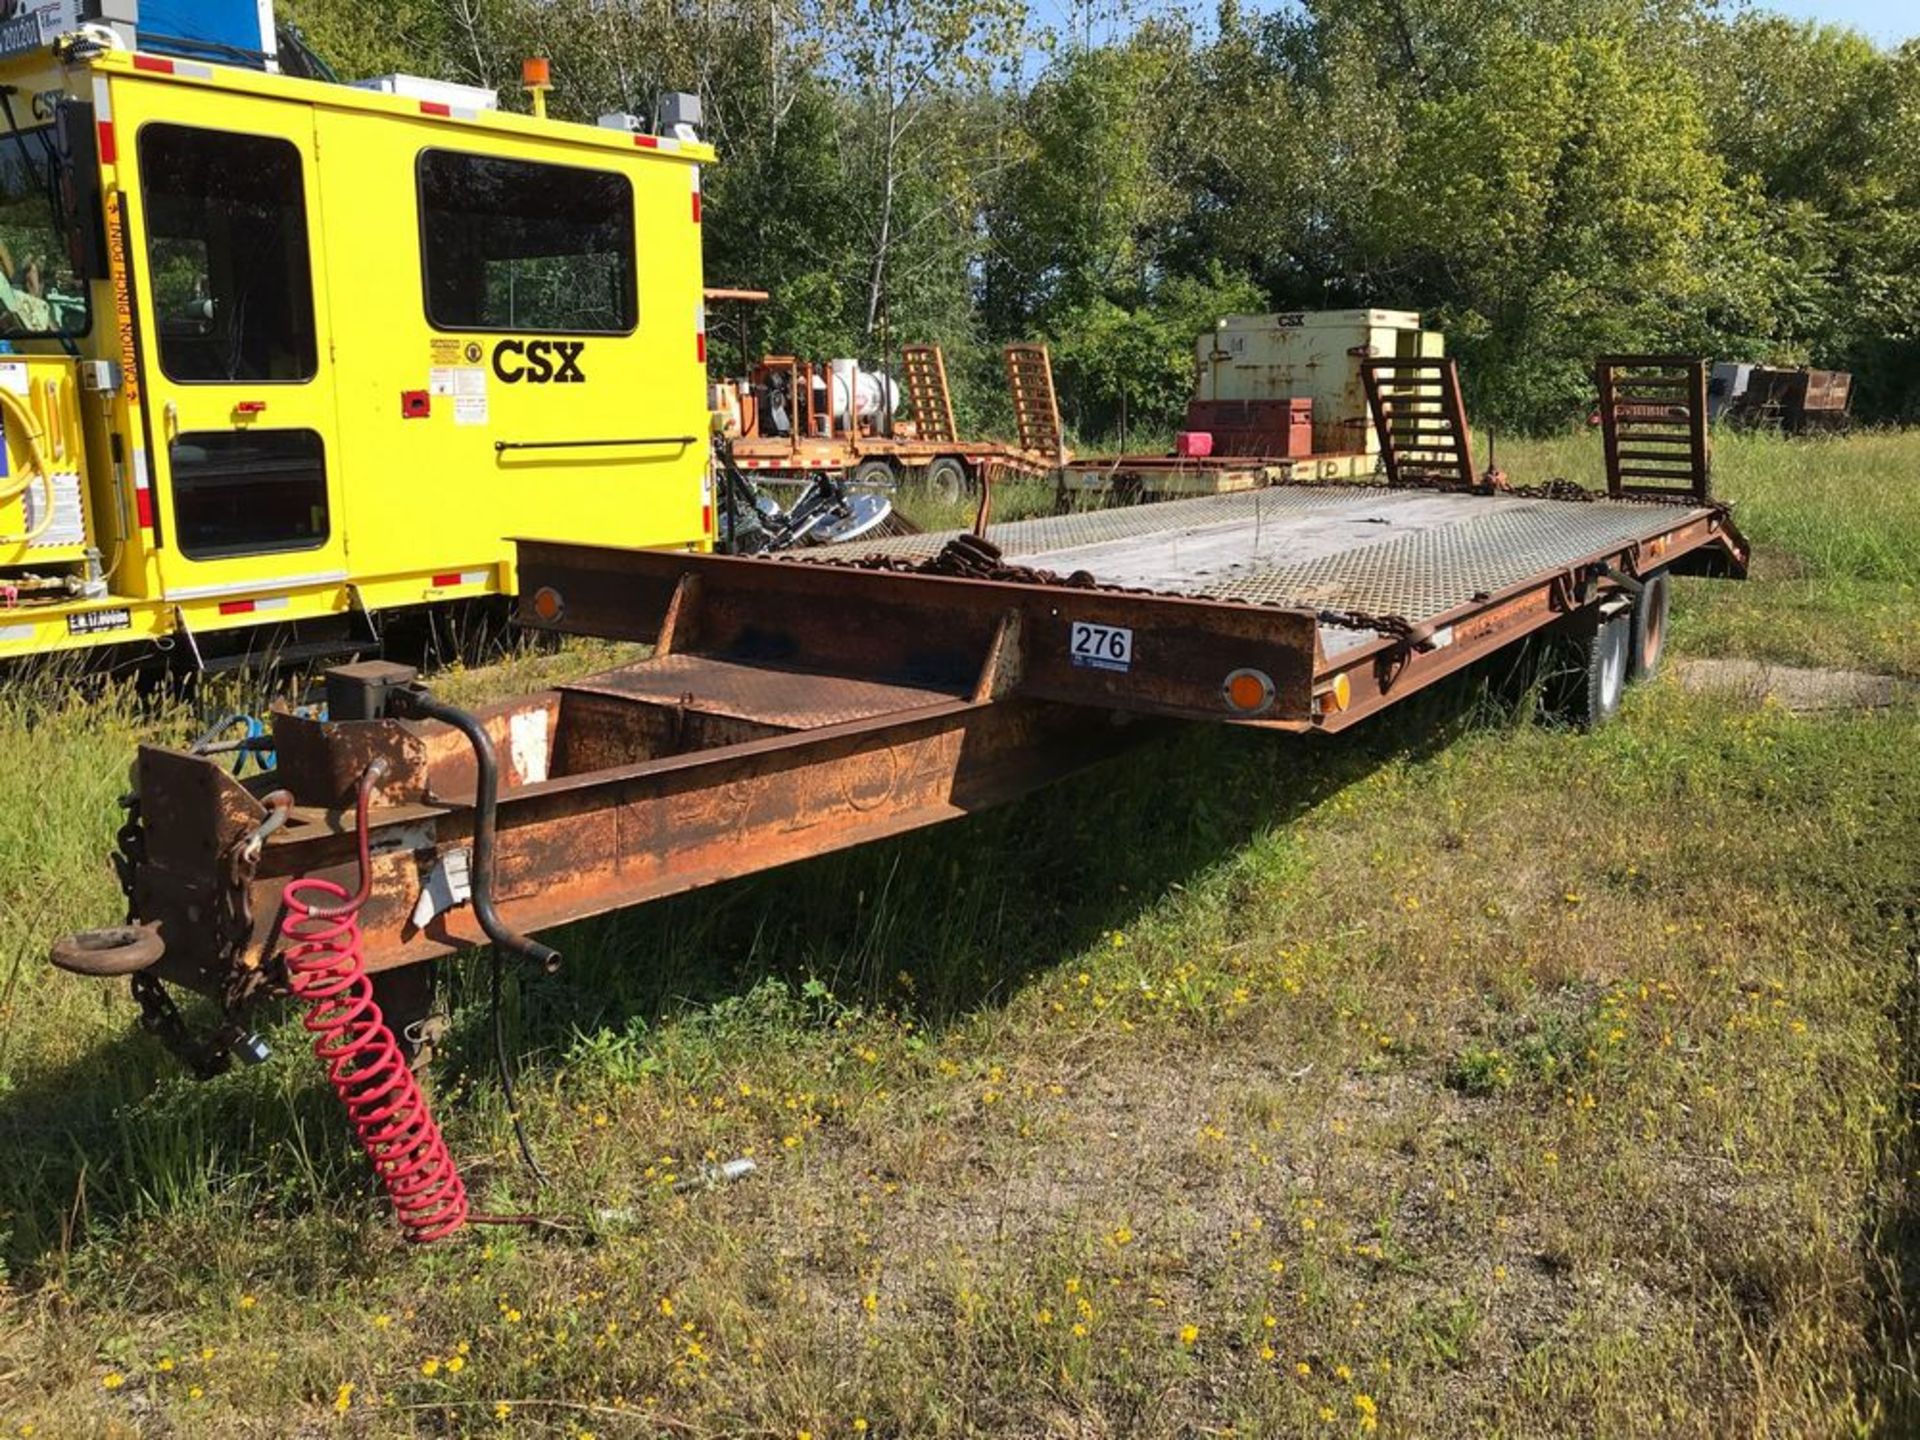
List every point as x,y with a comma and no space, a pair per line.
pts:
796,700
1413,553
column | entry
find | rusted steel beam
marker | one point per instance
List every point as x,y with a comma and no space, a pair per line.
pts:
930,629
569,845
1387,670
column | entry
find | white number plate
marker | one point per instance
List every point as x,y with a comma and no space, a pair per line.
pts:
1101,647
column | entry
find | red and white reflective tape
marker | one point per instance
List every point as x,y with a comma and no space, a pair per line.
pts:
252,607
449,579
696,194
445,111
700,331
142,489
706,503
103,121
15,634
668,143
159,65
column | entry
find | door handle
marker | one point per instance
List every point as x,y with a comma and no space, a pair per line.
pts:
171,420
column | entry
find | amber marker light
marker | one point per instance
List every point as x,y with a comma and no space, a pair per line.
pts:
1336,695
536,78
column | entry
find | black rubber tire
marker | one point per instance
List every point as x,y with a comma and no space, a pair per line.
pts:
1650,614
1605,650
874,475
949,482
1585,670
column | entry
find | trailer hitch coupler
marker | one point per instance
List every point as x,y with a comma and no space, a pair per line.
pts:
415,703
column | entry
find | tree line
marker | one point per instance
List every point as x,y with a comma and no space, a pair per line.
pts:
1545,180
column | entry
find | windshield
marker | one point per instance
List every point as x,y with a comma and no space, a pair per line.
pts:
39,293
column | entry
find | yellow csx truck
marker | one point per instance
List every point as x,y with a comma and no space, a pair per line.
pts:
284,352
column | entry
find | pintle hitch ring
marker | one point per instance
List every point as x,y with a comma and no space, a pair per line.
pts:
108,953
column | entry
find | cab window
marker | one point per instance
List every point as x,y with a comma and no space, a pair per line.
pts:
227,248
40,295
515,245
241,492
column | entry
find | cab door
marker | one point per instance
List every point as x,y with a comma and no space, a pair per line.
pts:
224,221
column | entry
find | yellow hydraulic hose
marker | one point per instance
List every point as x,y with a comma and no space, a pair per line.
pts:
19,414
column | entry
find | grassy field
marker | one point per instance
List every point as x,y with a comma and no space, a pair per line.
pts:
1467,1076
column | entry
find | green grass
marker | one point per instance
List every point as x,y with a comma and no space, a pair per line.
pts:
1465,1076
1835,524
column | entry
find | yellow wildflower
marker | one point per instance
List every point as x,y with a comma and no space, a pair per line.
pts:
113,1380
1189,1334
343,1401
430,1366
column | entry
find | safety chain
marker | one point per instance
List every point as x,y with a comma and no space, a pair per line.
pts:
130,850
1494,484
205,1057
159,1016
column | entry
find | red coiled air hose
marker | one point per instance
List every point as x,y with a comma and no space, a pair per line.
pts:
365,1065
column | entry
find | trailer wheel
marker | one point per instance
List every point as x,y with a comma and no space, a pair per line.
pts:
1604,651
949,482
1586,661
874,475
1650,626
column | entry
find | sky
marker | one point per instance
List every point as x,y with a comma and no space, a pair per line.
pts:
1887,21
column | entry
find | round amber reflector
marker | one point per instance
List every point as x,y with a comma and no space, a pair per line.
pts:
1342,693
1248,691
547,604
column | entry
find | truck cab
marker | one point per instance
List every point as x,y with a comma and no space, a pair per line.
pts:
276,351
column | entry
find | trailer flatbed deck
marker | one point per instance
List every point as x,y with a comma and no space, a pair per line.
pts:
1417,554
798,705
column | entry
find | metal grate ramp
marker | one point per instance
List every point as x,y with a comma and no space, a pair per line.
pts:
1421,420
1653,421
1036,409
929,401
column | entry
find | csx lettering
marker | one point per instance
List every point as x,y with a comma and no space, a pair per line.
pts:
539,362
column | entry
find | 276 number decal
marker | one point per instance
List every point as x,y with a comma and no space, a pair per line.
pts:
1101,647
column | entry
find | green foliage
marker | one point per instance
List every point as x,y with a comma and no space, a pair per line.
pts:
1122,369
1545,179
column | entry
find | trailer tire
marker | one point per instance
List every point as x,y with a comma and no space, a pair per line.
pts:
1605,649
874,475
1650,626
949,482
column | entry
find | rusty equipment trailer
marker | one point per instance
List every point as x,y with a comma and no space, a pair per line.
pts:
799,705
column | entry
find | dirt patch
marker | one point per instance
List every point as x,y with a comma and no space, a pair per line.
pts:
1800,689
